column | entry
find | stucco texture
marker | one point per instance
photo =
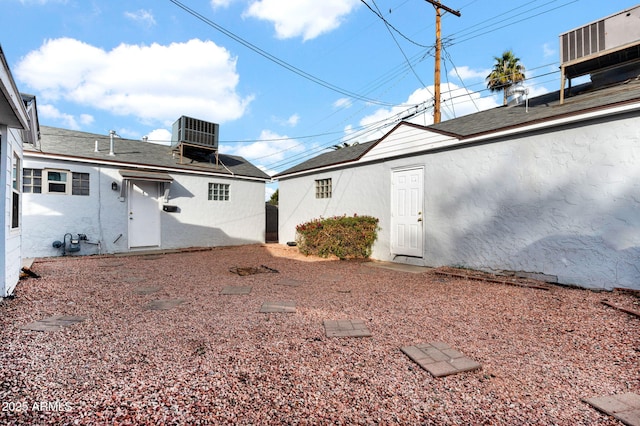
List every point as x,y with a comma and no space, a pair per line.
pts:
562,202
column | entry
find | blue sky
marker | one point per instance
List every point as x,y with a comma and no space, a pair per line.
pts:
326,70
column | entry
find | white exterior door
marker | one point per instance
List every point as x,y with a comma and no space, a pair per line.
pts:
407,190
144,214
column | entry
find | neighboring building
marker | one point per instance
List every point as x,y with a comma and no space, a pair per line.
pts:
542,188
87,194
18,121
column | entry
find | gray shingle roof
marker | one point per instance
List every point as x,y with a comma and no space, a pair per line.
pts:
74,144
540,109
339,156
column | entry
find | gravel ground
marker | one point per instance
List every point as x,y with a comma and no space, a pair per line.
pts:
214,359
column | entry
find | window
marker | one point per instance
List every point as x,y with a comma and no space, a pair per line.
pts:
32,181
219,191
323,188
56,182
15,192
80,184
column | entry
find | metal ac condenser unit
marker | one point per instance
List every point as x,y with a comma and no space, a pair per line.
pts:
192,131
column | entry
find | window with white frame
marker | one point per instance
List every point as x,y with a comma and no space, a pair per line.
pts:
32,181
219,191
79,183
323,188
15,191
56,181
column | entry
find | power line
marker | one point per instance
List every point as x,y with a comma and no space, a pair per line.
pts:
275,59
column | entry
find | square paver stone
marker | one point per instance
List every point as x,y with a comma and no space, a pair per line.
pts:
164,304
53,323
241,289
439,359
286,307
146,290
624,407
346,328
289,282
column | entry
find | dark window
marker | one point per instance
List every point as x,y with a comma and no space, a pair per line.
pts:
32,181
80,184
323,188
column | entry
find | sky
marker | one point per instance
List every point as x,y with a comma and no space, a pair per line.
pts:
285,79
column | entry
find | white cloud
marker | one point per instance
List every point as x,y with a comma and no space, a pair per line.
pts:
155,83
466,73
293,120
220,3
145,17
548,50
343,103
161,136
302,18
270,148
70,121
456,102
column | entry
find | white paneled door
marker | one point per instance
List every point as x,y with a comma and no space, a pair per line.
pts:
407,190
144,214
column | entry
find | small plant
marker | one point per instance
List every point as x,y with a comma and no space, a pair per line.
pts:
342,236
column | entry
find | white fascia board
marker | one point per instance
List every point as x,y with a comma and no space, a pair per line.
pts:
12,95
39,155
558,122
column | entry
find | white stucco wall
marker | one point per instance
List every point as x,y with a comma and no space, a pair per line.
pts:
564,203
103,216
11,256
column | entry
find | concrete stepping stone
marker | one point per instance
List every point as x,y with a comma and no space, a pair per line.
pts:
146,290
286,307
53,323
624,407
234,290
164,304
289,282
331,277
439,359
346,328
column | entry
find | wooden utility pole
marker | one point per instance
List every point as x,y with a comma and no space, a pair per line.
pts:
436,77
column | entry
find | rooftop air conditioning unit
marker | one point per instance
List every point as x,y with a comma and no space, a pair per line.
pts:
610,33
191,131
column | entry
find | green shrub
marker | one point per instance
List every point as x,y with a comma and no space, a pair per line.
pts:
342,236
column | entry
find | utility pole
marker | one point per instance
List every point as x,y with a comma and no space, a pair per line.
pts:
436,77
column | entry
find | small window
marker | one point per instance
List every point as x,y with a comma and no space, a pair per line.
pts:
32,181
219,191
15,192
56,182
323,188
80,184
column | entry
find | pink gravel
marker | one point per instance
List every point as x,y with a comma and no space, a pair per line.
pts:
215,359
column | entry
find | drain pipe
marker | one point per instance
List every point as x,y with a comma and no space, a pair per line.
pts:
111,134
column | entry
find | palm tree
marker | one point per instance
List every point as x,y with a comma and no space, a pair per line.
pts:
507,71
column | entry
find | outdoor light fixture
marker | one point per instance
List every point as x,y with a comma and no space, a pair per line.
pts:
114,185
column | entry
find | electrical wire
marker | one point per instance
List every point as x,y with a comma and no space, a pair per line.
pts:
275,59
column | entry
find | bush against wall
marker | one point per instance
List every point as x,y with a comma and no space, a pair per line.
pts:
343,236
